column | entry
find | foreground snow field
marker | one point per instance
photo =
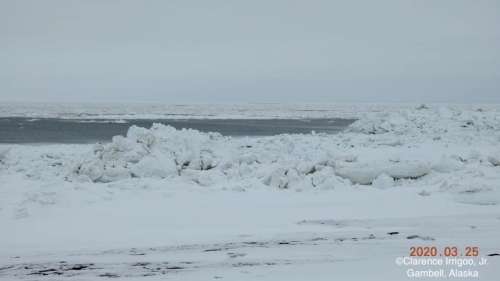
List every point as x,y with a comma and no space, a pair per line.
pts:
171,204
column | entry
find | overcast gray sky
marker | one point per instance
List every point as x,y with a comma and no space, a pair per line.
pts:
250,51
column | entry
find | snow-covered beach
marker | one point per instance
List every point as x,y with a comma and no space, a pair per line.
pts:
167,204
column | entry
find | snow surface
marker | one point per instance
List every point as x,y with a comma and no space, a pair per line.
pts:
171,204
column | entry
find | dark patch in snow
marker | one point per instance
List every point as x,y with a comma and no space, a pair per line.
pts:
235,255
254,243
46,272
79,267
213,250
318,239
140,268
420,237
175,267
245,264
109,275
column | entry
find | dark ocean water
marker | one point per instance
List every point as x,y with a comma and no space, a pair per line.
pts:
47,130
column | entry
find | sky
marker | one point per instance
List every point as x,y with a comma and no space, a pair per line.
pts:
250,51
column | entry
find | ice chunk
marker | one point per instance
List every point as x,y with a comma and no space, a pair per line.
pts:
321,174
141,135
386,126
150,167
120,143
114,174
93,169
184,158
494,159
332,182
206,162
443,166
474,155
383,182
97,148
305,168
147,139
3,151
204,178
136,154
248,158
279,179
366,173
292,175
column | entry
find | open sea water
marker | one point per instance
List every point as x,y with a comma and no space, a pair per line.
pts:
20,130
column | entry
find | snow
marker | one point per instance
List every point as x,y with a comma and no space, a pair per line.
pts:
161,203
